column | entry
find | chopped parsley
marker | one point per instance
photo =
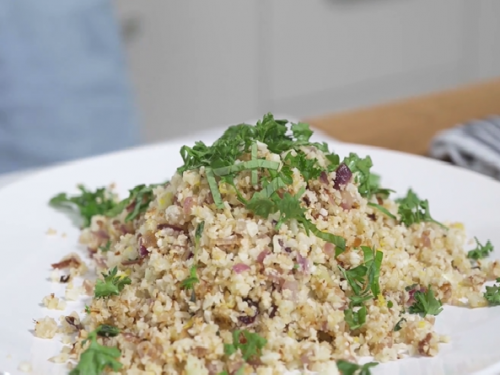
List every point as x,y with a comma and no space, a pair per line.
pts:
87,309
138,201
349,368
481,251
103,202
382,209
308,168
221,163
112,284
364,282
106,247
88,203
398,327
248,343
425,303
106,330
492,294
191,280
369,183
97,357
414,210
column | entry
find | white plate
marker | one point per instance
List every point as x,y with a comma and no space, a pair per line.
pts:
27,251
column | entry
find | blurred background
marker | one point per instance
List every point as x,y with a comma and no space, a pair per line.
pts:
125,72
197,64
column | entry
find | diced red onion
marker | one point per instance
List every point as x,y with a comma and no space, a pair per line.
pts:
188,205
171,226
101,234
240,267
347,200
291,285
305,359
342,176
262,256
323,177
411,293
303,262
329,249
426,241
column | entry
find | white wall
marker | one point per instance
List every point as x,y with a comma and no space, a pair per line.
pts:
198,64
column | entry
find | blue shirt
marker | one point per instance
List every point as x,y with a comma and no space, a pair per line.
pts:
64,92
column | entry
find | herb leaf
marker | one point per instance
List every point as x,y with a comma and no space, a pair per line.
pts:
398,327
492,294
106,247
97,358
349,368
112,285
355,318
88,203
189,282
413,210
481,251
308,168
382,209
106,330
425,303
252,346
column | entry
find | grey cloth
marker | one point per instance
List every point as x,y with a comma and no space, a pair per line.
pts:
474,145
64,92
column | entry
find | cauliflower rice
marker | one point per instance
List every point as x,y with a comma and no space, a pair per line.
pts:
285,284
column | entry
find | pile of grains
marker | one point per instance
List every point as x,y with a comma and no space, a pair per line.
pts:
265,253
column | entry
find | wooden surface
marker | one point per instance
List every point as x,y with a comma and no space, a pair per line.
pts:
409,125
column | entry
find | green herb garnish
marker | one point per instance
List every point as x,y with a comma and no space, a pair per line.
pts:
88,203
139,199
425,303
106,247
481,251
364,282
382,209
349,368
252,346
87,309
189,282
112,285
413,210
492,294
97,357
398,327
221,163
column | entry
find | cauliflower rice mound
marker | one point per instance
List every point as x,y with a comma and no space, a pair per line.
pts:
284,284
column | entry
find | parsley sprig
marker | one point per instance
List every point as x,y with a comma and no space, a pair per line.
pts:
414,210
349,368
248,343
190,281
364,282
492,294
87,203
112,284
425,303
369,183
97,357
139,199
222,165
481,251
